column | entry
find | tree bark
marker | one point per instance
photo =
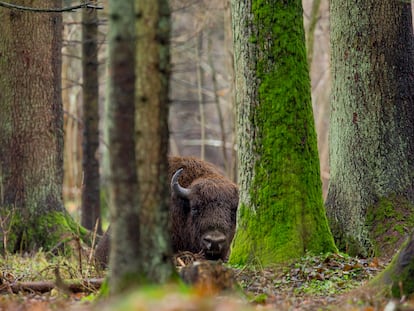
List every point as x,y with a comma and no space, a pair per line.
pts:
398,277
31,130
125,269
152,136
91,213
372,125
281,214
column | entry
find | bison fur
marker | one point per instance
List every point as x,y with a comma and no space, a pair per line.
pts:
202,211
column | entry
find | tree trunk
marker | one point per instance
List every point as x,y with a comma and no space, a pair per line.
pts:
228,47
125,269
152,136
31,130
91,213
72,107
138,138
281,214
370,196
399,275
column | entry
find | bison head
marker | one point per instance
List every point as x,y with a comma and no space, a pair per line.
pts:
209,206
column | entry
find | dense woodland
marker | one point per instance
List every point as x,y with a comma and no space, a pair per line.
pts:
306,105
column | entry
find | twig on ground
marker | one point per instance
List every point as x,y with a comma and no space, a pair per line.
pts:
85,285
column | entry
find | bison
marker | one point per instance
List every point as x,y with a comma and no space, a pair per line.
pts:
202,212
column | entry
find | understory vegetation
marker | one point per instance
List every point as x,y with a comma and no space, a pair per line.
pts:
43,281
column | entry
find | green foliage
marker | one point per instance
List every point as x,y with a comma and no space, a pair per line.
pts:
260,298
104,290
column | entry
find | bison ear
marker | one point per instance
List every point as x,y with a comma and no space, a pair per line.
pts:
177,188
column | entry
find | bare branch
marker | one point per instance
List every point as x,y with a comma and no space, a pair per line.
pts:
86,5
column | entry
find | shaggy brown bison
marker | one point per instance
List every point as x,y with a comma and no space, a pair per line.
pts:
203,207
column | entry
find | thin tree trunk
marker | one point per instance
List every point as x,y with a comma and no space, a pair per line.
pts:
90,189
216,98
200,96
314,16
125,226
72,107
228,36
152,136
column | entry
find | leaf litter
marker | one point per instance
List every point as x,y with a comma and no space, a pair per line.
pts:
312,283
325,282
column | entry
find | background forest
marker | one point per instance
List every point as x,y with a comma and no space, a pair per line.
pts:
202,103
261,136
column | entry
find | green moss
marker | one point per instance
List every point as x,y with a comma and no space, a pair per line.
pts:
104,203
49,231
287,218
400,229
389,221
104,290
404,287
403,280
260,298
397,280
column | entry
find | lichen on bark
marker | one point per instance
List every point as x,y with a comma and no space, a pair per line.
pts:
390,219
372,117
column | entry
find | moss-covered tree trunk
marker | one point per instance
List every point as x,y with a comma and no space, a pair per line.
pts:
370,197
281,214
91,212
152,85
125,270
397,279
31,130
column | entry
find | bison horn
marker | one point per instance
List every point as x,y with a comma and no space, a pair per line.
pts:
176,187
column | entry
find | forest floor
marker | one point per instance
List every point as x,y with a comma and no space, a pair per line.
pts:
329,282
